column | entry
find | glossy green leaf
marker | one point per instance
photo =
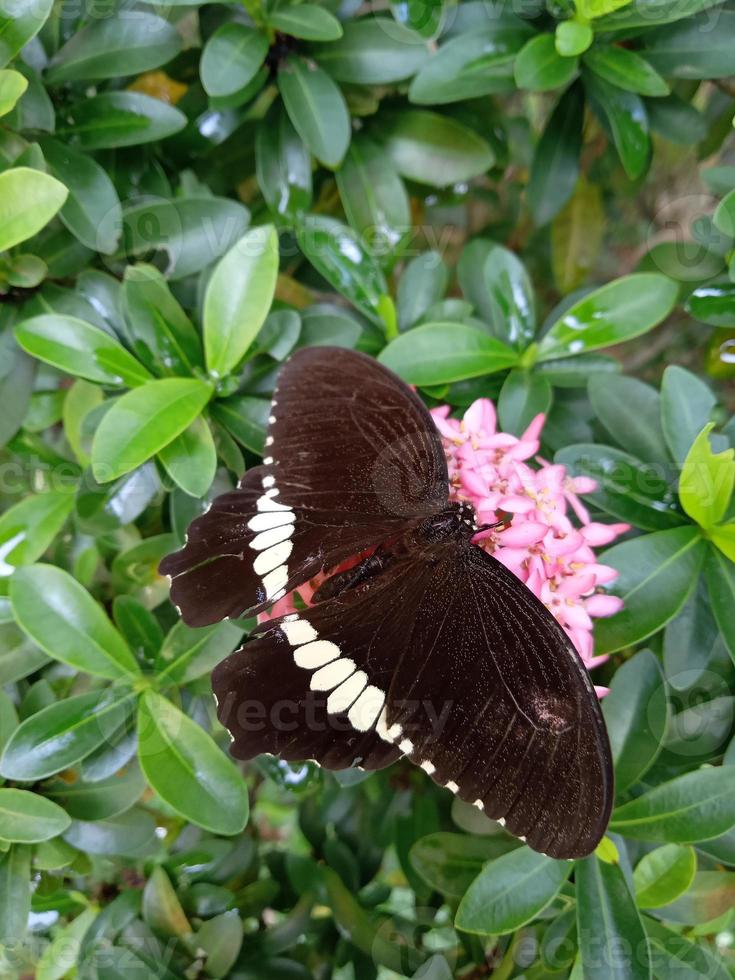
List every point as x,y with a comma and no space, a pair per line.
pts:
15,887
245,418
624,113
19,23
12,87
187,769
657,573
19,655
62,953
625,69
130,834
114,119
63,733
317,109
707,480
423,282
627,489
433,149
555,165
191,459
27,818
664,874
715,302
510,891
695,47
694,807
139,627
161,906
340,256
611,938
686,406
621,310
143,421
636,715
451,862
29,527
158,330
28,200
373,196
470,65
231,58
630,410
282,165
221,937
307,21
539,66
117,45
523,396
238,298
438,353
64,620
647,13
373,51
81,349
189,653
573,37
720,575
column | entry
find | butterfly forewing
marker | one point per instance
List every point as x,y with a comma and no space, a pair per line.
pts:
352,457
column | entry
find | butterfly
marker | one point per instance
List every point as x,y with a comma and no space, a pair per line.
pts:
427,647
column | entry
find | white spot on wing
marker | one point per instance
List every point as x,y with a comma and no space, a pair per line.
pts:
267,539
366,709
406,746
274,581
266,503
428,767
387,734
452,786
267,560
316,654
269,440
479,804
268,481
267,521
342,697
298,631
333,674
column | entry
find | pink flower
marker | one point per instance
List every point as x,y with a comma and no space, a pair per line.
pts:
538,541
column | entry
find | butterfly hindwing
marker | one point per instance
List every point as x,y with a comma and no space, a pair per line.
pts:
352,457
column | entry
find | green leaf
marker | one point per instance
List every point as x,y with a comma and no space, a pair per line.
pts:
221,937
555,166
423,282
282,165
29,527
92,212
143,421
433,149
157,329
317,109
626,70
694,47
61,734
62,953
636,715
130,834
510,305
686,405
191,459
373,196
523,396
664,874
139,626
306,21
657,573
539,66
707,480
624,113
112,46
27,818
161,907
80,348
724,216
373,51
611,938
627,488
621,310
649,13
630,410
576,236
510,891
15,887
450,862
672,954
189,653
12,87
470,65
238,298
181,230
28,200
573,37
589,9
440,353
339,255
64,620
20,21
114,119
187,769
715,302
694,807
231,58
720,576
20,656
245,418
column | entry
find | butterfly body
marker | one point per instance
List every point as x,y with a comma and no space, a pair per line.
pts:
427,648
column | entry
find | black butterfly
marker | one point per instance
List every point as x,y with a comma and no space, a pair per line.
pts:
428,647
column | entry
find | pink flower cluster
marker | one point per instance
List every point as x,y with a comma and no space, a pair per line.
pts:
541,546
